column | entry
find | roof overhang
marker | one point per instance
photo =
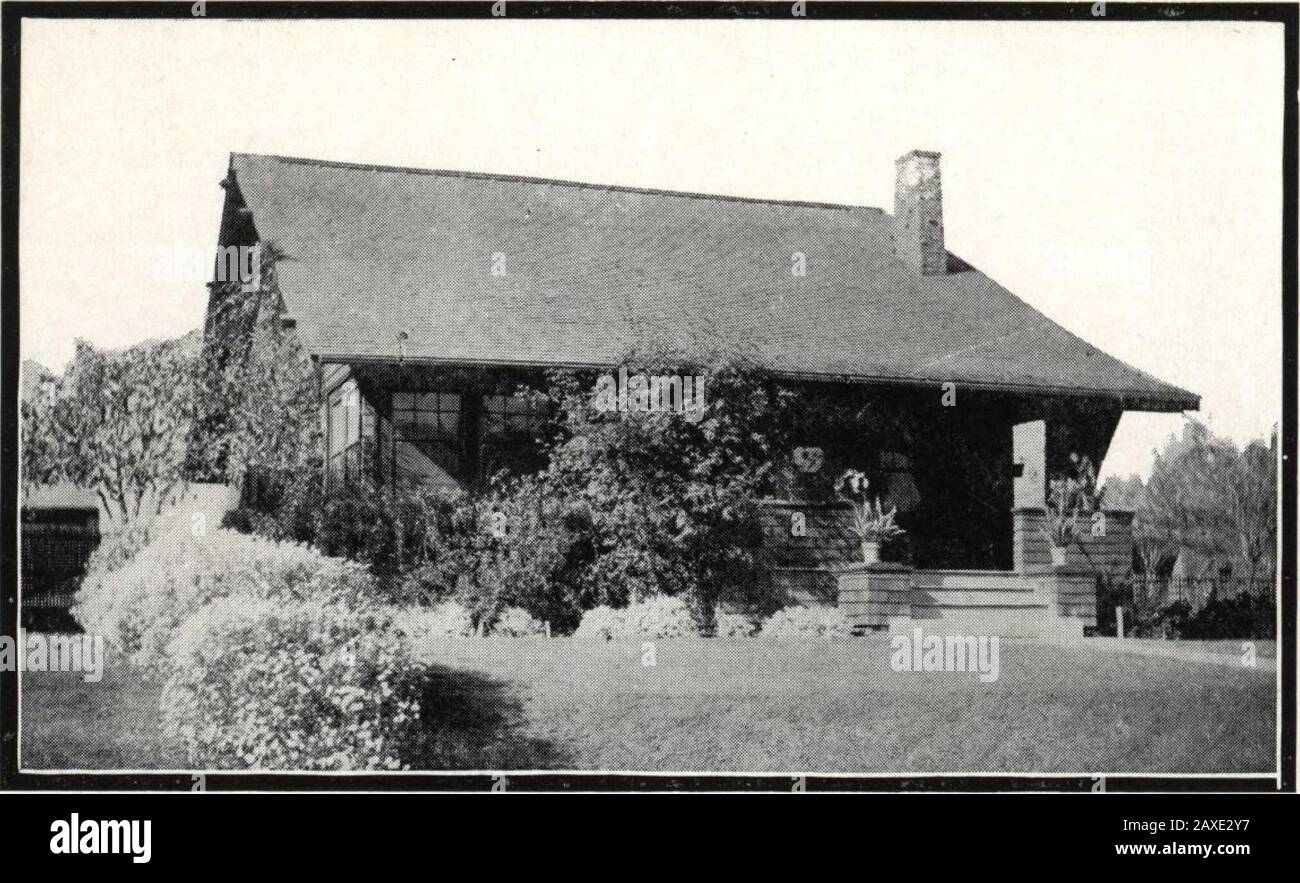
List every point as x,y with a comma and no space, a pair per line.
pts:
1128,401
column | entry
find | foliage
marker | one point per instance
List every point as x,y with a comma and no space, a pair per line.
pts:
449,619
660,617
256,682
516,622
1071,500
806,622
1239,617
872,522
1244,615
259,390
637,505
735,625
138,605
600,623
116,549
410,539
517,546
1207,497
116,422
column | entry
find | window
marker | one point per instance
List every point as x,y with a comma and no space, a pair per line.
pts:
427,436
507,415
898,484
343,431
512,426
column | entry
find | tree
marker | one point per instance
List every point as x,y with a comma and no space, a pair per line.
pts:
116,422
1208,497
637,503
1251,492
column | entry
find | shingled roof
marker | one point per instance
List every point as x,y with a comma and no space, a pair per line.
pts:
373,252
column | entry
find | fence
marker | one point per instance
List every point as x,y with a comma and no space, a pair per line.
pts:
1150,592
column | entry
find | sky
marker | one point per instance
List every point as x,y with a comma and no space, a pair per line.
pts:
1123,178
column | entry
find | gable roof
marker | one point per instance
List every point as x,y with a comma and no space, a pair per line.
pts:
590,271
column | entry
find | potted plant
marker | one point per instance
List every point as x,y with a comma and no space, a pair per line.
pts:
1071,500
872,522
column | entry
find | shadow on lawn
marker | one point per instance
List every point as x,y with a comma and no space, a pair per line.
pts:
471,721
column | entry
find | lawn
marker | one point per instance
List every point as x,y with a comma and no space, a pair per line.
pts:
751,705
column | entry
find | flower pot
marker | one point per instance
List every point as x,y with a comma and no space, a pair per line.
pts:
870,552
1058,556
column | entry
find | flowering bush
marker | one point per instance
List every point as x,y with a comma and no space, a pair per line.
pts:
96,606
658,617
806,622
516,622
138,605
601,623
117,549
735,625
446,620
260,683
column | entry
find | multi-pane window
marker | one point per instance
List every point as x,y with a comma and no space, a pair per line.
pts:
343,431
427,435
507,415
511,430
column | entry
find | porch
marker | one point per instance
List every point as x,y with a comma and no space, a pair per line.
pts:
968,483
1030,599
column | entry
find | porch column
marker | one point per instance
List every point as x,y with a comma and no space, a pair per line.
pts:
1029,546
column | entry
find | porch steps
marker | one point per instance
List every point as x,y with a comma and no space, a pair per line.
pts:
1036,622
982,602
999,580
981,598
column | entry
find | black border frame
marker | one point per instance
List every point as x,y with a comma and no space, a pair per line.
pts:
11,18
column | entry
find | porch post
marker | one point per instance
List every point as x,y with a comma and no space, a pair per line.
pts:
1029,453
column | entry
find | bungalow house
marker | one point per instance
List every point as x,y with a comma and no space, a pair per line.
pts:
421,293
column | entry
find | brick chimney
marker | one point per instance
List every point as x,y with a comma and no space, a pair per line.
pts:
918,213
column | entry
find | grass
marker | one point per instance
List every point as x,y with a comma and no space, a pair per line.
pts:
113,724
750,705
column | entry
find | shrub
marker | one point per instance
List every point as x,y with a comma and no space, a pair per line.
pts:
600,623
1240,617
537,565
635,506
258,683
245,520
806,622
96,606
137,606
735,625
446,620
387,531
515,622
659,617
117,549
